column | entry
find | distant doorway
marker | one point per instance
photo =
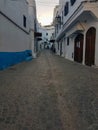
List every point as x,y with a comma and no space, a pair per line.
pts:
78,48
90,47
61,49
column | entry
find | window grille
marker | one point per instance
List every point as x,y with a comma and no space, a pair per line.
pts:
66,8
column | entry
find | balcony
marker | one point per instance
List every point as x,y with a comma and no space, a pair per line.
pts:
80,11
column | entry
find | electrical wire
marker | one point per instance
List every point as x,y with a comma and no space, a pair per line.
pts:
46,3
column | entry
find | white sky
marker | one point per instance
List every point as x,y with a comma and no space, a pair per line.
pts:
45,10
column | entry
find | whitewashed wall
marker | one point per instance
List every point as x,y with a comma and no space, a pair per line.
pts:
50,31
87,21
70,49
16,39
32,25
12,39
15,9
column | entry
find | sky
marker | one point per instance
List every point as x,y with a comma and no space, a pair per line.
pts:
45,11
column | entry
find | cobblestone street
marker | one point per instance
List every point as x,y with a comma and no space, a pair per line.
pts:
49,93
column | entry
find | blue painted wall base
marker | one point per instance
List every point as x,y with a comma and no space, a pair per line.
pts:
11,58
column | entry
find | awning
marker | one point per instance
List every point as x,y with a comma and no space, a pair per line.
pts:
76,29
37,34
52,40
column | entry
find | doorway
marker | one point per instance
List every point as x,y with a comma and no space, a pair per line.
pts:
78,48
90,47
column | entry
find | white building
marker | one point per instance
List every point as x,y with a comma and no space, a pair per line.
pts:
40,38
76,29
17,19
55,23
32,25
47,32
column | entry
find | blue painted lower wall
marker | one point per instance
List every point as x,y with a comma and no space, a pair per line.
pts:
11,58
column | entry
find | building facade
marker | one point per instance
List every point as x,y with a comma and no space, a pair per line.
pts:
32,26
16,31
76,30
40,37
49,32
45,40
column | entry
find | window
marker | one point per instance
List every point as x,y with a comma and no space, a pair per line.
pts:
67,41
72,1
66,8
24,21
46,34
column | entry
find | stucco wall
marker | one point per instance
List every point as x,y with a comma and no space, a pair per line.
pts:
16,33
87,19
15,9
70,49
12,38
14,44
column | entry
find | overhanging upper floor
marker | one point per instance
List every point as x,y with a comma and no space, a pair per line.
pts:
85,11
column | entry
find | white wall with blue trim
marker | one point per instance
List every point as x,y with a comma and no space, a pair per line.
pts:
15,39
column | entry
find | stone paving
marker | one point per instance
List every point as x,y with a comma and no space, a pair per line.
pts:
49,93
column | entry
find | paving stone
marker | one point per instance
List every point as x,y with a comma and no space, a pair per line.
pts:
93,127
49,93
2,119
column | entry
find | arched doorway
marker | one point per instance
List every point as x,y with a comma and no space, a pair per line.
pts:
90,47
78,48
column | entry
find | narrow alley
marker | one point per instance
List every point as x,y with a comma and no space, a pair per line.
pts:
49,93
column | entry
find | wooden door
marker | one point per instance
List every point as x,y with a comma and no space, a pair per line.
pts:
78,48
90,47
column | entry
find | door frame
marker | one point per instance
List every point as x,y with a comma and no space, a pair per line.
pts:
78,48
90,46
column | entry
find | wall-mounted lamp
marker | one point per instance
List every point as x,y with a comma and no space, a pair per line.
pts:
58,20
